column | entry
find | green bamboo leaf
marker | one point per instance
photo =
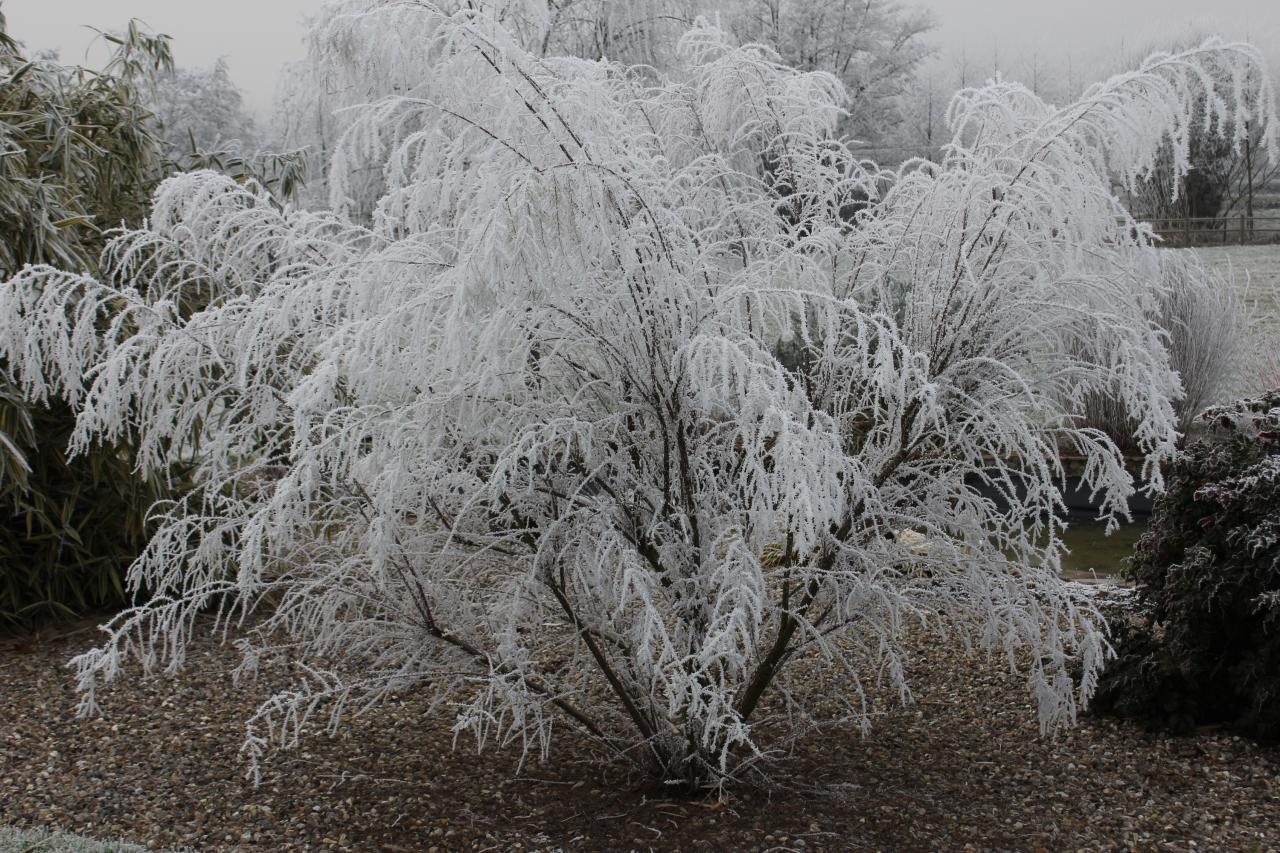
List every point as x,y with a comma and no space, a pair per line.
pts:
20,72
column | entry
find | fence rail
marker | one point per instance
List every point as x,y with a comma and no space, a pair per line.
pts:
1232,230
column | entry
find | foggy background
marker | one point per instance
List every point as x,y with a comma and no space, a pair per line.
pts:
1083,38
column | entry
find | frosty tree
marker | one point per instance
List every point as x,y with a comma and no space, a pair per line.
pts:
354,58
874,47
625,402
201,108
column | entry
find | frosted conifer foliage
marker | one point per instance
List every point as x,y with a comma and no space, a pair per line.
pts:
628,412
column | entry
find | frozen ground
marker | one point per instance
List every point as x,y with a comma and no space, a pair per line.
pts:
14,840
1256,270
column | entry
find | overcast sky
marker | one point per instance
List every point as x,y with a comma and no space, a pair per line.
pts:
257,36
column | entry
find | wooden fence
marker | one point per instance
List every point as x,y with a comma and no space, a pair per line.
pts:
1232,230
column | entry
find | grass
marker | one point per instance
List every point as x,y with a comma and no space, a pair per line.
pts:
15,840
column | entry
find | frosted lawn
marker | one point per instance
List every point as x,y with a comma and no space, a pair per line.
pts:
1256,270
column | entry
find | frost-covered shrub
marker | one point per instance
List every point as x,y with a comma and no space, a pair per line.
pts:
1258,370
1204,644
1206,323
1206,327
579,430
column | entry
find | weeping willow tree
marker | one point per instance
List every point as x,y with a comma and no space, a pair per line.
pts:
634,397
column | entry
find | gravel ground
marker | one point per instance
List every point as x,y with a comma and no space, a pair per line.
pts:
963,768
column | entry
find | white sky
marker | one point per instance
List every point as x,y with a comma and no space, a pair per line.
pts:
257,36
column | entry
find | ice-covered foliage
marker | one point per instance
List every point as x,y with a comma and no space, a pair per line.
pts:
1200,644
624,402
1207,329
359,51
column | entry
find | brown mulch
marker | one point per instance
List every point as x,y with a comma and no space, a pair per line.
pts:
963,768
